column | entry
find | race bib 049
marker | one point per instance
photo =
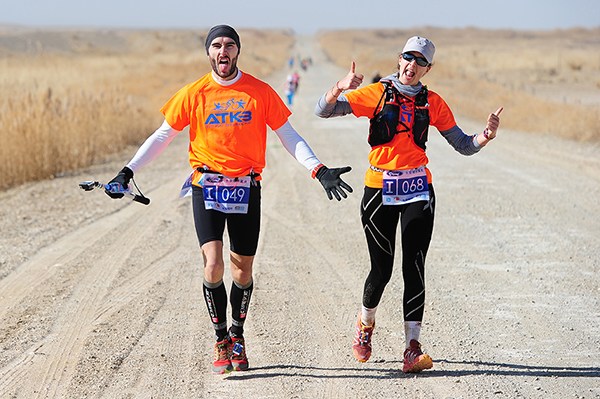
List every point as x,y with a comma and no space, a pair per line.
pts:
405,186
225,194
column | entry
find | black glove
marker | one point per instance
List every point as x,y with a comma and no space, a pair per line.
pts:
332,183
123,178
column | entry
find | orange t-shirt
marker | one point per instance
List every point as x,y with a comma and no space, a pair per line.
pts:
228,124
401,152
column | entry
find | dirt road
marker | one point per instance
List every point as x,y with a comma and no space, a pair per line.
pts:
102,298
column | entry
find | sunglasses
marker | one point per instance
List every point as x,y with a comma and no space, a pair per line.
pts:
421,61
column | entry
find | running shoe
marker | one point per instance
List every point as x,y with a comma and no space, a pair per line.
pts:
415,360
237,353
361,345
221,364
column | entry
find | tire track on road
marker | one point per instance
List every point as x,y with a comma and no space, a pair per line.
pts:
55,357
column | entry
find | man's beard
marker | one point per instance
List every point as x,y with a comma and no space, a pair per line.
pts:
232,68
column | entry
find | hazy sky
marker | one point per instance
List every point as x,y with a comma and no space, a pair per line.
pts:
304,16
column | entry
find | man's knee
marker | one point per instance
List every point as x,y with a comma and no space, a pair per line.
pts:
241,268
212,254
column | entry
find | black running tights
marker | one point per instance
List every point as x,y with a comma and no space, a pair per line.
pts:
380,223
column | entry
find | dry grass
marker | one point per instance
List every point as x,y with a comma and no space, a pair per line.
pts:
548,82
72,98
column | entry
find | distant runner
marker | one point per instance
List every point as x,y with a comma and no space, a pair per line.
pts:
291,86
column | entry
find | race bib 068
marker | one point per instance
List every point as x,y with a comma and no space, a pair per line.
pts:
405,186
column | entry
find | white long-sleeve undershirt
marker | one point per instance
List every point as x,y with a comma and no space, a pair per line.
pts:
153,147
162,137
297,146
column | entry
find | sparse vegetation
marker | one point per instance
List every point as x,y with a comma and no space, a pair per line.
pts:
71,99
547,81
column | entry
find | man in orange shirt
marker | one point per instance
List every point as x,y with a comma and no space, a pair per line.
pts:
398,184
228,112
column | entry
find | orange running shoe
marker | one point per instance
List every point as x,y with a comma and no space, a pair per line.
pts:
415,360
361,345
237,354
221,364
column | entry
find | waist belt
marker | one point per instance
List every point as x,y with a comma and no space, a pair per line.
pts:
205,170
376,169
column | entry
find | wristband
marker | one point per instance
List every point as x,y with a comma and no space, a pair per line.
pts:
338,88
486,134
315,170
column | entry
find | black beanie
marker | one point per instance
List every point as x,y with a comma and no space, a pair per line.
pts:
222,31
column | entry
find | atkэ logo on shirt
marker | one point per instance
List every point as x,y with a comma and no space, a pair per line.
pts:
230,112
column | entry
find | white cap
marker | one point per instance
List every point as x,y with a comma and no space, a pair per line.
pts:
421,45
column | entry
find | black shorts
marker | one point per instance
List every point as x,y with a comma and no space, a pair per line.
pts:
243,229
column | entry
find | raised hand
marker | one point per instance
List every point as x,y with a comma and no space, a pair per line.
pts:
493,122
352,80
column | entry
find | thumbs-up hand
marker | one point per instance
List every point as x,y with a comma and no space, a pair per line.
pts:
352,80
493,122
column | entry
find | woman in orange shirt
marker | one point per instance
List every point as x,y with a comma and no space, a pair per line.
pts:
398,184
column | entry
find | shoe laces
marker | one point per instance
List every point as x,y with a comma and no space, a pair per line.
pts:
413,351
363,334
221,350
238,348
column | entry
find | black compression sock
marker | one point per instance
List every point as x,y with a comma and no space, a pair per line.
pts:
215,298
240,300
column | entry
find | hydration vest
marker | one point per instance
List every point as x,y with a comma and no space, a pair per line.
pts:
400,114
